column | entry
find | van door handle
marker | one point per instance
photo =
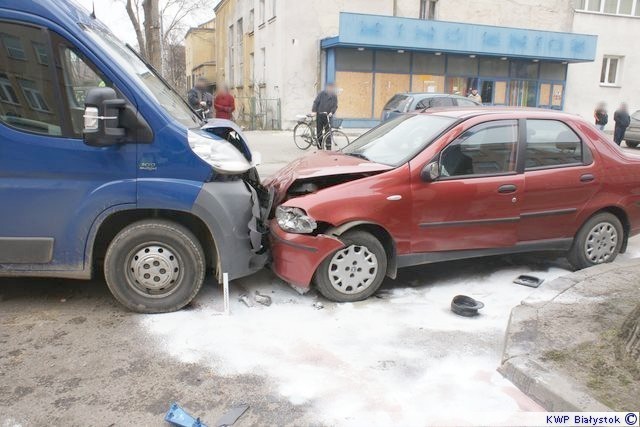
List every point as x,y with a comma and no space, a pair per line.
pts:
587,177
507,188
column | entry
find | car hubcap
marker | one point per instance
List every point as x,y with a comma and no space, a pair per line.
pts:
353,269
154,270
601,243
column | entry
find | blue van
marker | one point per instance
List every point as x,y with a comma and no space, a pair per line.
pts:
104,166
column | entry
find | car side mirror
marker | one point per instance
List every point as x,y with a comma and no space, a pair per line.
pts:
102,117
430,172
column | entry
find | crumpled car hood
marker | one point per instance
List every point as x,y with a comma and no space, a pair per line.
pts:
322,169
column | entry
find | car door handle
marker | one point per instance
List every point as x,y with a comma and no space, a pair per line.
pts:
587,177
507,188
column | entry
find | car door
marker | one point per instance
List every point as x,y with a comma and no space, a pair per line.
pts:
560,178
475,202
52,185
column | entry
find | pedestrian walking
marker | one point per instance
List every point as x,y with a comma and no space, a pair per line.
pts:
623,120
200,99
475,96
225,104
600,115
325,104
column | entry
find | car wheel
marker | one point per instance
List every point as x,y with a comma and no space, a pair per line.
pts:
355,272
154,266
632,144
598,241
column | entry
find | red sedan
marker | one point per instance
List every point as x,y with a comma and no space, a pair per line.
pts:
447,185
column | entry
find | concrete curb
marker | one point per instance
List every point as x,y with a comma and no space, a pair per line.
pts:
521,361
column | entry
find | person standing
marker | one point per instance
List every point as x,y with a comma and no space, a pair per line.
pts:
200,99
325,103
474,95
224,103
600,115
623,120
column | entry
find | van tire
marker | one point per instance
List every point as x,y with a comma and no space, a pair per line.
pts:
154,266
607,241
366,252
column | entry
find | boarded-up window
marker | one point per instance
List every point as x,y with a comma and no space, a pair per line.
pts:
356,93
387,85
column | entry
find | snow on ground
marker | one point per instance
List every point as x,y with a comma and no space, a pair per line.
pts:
400,359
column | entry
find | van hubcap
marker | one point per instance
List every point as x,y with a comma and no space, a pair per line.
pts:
353,269
601,243
154,270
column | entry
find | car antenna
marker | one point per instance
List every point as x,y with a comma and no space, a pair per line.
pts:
93,12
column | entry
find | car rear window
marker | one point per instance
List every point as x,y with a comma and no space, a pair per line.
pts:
397,103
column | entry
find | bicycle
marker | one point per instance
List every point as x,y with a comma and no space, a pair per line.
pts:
304,133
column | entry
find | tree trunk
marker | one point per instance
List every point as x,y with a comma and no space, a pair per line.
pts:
630,334
152,33
133,17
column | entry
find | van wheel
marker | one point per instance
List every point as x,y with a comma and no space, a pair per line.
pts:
355,272
598,241
154,266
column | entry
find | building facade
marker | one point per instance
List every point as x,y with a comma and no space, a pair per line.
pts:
277,54
199,43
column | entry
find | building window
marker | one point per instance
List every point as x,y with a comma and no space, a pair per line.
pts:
612,7
13,46
263,77
610,70
231,58
251,21
428,9
273,8
252,68
33,95
7,94
261,12
240,54
41,53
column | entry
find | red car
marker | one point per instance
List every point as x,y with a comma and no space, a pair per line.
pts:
452,184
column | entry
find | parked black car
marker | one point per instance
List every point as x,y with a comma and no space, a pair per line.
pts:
405,102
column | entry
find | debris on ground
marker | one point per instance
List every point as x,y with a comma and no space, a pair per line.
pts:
463,305
318,305
262,299
244,298
179,417
232,415
527,280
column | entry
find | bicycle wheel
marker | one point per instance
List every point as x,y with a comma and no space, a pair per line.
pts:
303,136
339,140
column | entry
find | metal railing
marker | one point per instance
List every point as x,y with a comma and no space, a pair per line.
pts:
256,113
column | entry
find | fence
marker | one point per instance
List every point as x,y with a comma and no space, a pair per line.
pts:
256,113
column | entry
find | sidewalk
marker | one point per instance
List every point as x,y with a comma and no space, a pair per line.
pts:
561,345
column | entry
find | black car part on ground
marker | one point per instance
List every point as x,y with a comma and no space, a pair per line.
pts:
466,306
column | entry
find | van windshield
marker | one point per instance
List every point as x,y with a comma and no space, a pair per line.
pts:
165,95
398,140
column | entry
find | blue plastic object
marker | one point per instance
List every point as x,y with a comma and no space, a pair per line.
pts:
178,417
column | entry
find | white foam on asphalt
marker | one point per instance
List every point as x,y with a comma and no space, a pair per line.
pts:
402,360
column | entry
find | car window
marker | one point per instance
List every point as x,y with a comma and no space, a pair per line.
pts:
466,102
485,149
27,91
441,101
397,103
551,143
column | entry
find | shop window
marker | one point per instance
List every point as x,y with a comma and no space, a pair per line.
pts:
523,93
426,63
524,69
553,71
393,62
500,93
427,83
354,60
494,68
386,86
459,85
610,70
462,66
355,94
551,143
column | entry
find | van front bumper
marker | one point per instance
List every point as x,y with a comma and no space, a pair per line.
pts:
296,257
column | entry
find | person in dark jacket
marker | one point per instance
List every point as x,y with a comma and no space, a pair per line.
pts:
224,103
200,99
600,115
325,103
622,119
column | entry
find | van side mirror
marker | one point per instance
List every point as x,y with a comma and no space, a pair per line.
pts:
430,172
102,117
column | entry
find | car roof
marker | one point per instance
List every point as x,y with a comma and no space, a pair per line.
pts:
502,112
430,94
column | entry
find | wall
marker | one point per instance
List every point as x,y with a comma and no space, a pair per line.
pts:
199,52
583,82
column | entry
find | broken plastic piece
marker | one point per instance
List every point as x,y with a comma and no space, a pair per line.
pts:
178,417
318,305
245,299
526,280
232,415
463,305
262,299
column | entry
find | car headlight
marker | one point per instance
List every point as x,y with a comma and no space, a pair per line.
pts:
220,154
295,220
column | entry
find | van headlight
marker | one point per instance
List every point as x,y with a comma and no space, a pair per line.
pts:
220,154
295,220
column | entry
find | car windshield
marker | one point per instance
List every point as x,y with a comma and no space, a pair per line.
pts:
163,94
397,141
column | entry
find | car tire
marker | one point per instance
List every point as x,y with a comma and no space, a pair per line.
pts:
355,272
632,144
598,241
154,266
